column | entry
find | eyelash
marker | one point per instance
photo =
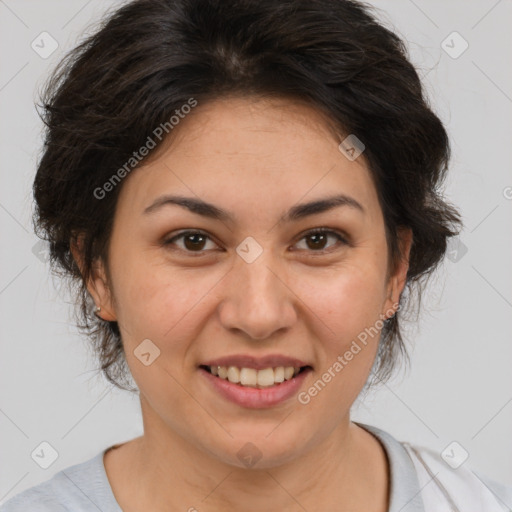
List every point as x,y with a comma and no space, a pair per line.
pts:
317,231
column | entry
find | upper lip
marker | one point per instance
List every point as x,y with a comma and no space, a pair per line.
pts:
258,363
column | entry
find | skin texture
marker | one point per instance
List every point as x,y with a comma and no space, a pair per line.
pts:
255,158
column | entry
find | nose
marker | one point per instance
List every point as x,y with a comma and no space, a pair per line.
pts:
258,300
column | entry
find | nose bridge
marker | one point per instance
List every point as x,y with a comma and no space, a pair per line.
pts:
258,301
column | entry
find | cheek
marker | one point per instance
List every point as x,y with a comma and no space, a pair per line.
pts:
162,303
347,300
349,307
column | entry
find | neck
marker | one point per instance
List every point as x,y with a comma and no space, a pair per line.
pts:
167,472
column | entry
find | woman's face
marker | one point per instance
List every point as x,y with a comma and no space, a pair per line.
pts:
257,288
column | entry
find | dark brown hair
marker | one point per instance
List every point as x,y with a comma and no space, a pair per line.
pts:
150,57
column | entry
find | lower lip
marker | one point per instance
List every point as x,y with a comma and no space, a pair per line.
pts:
255,398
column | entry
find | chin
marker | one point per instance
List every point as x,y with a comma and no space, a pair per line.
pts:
259,448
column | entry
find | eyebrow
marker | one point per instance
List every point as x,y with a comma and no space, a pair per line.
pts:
295,213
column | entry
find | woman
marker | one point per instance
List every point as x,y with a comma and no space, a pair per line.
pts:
243,191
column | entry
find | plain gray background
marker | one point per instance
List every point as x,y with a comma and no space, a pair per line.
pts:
459,387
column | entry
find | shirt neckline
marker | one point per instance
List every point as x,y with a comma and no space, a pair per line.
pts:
404,492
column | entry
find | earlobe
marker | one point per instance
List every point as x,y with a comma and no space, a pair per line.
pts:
97,283
99,289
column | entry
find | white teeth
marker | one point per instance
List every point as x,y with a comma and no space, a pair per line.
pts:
255,378
234,374
288,372
248,377
266,377
279,374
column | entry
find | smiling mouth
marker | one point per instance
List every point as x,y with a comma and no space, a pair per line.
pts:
259,379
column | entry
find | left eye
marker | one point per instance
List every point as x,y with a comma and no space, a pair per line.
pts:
195,241
319,238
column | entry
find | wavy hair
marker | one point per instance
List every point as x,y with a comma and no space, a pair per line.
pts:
149,57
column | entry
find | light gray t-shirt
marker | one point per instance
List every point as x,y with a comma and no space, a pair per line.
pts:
85,487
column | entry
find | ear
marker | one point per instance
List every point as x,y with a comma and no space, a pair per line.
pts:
97,284
397,280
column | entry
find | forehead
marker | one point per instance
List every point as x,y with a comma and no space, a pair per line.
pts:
253,154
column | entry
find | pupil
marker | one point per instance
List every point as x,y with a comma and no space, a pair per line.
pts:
318,237
195,244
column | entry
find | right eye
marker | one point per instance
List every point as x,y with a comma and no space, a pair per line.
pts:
192,241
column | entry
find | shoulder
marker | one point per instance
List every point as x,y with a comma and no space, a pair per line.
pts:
424,480
76,488
449,483
44,497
